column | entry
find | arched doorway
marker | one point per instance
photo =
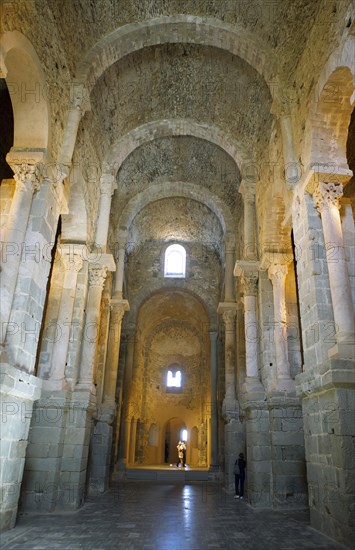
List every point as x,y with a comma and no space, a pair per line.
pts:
173,433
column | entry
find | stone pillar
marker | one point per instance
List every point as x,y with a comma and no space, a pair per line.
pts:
80,103
18,391
233,432
118,309
97,276
228,277
125,418
214,417
277,274
120,272
248,193
72,261
27,178
326,199
228,311
281,109
102,436
107,188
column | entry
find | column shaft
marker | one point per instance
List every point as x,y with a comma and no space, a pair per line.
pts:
97,275
214,420
106,190
326,198
277,274
72,266
111,371
27,181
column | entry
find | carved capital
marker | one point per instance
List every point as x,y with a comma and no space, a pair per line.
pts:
79,98
277,273
27,176
72,262
107,184
97,276
229,318
250,284
326,195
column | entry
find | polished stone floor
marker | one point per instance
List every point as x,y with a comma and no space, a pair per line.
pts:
140,515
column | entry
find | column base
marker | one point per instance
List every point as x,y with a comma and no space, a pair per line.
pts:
252,389
343,350
286,384
55,385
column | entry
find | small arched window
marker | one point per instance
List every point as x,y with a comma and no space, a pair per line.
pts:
175,261
174,378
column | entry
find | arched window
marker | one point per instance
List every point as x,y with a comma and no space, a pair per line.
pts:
174,379
175,261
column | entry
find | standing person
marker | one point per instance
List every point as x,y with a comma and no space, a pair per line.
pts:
239,476
181,447
184,454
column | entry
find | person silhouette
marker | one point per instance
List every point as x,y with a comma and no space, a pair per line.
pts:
239,476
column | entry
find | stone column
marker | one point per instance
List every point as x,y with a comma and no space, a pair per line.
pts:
281,109
326,199
248,193
80,103
277,274
107,188
118,309
125,419
228,277
72,261
233,438
249,281
27,178
120,272
228,311
214,418
97,276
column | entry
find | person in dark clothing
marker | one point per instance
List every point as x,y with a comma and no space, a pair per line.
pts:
239,476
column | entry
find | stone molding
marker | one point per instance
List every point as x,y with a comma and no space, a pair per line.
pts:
327,195
327,173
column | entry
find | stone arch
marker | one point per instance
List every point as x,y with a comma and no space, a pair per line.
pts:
25,79
193,29
126,144
329,118
176,189
146,294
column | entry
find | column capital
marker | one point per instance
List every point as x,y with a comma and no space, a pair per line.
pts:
108,184
26,168
79,98
247,190
269,258
326,195
97,275
72,262
228,310
250,284
118,308
277,273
